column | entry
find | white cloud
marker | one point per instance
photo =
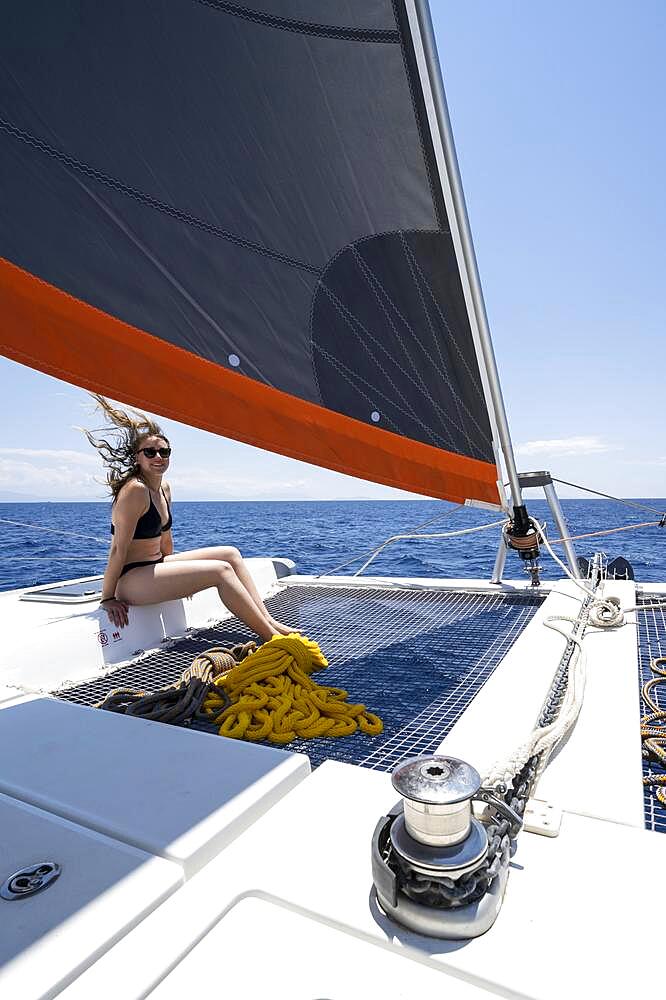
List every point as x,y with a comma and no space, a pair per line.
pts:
221,484
42,477
78,458
584,445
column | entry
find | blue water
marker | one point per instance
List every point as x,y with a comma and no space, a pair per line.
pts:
317,536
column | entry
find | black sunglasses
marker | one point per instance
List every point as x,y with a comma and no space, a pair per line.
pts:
152,452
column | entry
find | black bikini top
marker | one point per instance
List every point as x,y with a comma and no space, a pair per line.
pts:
150,524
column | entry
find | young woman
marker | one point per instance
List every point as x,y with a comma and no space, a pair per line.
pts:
143,567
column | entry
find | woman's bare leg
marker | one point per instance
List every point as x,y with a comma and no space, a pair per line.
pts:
171,580
231,555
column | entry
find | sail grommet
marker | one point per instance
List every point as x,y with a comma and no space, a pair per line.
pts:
234,360
375,416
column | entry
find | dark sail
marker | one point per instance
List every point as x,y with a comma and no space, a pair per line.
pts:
232,215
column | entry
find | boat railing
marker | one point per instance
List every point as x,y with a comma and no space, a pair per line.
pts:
439,534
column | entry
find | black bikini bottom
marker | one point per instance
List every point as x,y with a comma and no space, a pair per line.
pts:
149,562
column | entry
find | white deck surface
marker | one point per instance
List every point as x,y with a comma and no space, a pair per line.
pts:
176,794
104,889
277,863
302,958
598,773
566,929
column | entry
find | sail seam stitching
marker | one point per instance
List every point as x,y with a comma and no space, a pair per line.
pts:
347,372
411,259
350,375
353,321
338,32
417,285
419,124
376,283
328,268
77,165
449,442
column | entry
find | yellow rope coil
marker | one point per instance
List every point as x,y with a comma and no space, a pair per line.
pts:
273,698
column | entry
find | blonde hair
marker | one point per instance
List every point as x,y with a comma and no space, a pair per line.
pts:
119,454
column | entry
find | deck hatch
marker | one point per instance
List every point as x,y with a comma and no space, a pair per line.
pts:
417,657
67,593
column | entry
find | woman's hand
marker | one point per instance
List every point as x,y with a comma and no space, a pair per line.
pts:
117,611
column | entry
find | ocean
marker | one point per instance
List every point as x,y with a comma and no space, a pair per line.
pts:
318,536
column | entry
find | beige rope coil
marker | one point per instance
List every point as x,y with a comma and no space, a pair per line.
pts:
179,703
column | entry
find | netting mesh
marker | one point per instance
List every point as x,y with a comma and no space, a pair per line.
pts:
651,644
416,657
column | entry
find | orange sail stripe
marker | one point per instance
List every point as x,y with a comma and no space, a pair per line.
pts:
47,329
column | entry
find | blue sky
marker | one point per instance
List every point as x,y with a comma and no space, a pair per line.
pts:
557,112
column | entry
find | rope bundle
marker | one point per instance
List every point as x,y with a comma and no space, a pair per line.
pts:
273,698
181,702
653,730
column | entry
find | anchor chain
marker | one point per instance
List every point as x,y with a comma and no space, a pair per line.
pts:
449,893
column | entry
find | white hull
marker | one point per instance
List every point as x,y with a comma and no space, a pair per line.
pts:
192,863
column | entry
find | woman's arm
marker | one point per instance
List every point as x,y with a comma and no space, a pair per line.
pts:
166,542
130,505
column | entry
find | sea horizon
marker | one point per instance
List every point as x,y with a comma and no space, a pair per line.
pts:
49,541
527,500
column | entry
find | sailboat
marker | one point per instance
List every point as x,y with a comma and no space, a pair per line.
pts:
249,218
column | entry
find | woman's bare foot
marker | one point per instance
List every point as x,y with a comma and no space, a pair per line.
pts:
280,628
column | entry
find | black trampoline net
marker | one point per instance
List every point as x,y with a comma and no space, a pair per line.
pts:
415,657
651,646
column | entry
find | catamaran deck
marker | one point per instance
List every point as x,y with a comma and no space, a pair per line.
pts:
414,657
181,850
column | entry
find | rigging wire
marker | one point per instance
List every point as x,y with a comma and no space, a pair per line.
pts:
369,552
609,496
57,531
441,534
603,614
610,531
22,559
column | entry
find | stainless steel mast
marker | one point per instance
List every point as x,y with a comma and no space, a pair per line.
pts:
521,535
433,89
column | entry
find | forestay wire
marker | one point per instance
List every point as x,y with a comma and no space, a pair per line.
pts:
56,531
609,496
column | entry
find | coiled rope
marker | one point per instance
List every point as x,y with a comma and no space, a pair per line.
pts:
544,740
179,703
253,694
270,696
653,729
604,612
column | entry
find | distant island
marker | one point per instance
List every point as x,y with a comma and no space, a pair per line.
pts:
6,497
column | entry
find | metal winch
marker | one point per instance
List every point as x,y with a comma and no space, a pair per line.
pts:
429,853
